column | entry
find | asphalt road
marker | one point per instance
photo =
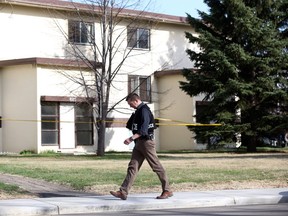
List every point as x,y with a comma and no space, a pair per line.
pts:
252,210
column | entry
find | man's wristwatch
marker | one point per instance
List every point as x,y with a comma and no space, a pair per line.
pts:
131,139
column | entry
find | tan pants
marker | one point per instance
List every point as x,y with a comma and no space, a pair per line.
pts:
144,149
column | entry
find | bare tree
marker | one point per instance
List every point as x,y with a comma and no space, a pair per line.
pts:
107,46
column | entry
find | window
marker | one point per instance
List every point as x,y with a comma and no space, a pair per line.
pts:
50,123
140,85
138,38
200,109
80,32
84,124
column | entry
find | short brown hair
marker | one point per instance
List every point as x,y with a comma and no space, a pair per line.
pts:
133,96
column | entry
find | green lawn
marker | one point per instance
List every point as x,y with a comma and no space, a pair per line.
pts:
10,189
185,170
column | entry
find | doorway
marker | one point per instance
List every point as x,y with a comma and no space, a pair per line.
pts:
67,126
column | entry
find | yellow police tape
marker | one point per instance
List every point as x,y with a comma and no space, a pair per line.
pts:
181,123
173,122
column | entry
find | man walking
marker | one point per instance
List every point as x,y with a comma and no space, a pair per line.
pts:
142,125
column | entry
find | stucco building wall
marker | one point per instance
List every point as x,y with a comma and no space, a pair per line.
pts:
175,107
19,101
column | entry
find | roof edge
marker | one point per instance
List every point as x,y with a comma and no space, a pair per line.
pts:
66,5
49,62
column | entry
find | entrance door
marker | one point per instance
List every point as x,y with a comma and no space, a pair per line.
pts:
67,126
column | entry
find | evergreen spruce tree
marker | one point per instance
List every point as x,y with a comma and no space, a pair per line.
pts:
241,69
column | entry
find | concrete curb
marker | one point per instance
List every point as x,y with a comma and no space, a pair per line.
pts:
94,204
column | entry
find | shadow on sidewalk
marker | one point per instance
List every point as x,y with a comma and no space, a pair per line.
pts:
284,198
65,194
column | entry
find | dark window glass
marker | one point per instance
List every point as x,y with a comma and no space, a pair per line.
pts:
49,123
84,124
84,138
132,37
138,38
80,32
49,137
140,85
143,35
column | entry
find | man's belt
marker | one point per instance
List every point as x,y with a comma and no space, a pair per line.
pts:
147,137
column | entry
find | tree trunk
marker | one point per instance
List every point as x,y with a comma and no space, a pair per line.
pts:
101,138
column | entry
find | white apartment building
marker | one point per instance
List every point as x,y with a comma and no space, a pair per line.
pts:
40,106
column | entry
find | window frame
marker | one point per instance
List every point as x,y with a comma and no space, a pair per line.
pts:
140,85
80,32
135,38
90,122
46,119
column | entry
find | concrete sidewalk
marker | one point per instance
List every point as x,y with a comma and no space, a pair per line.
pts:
92,204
